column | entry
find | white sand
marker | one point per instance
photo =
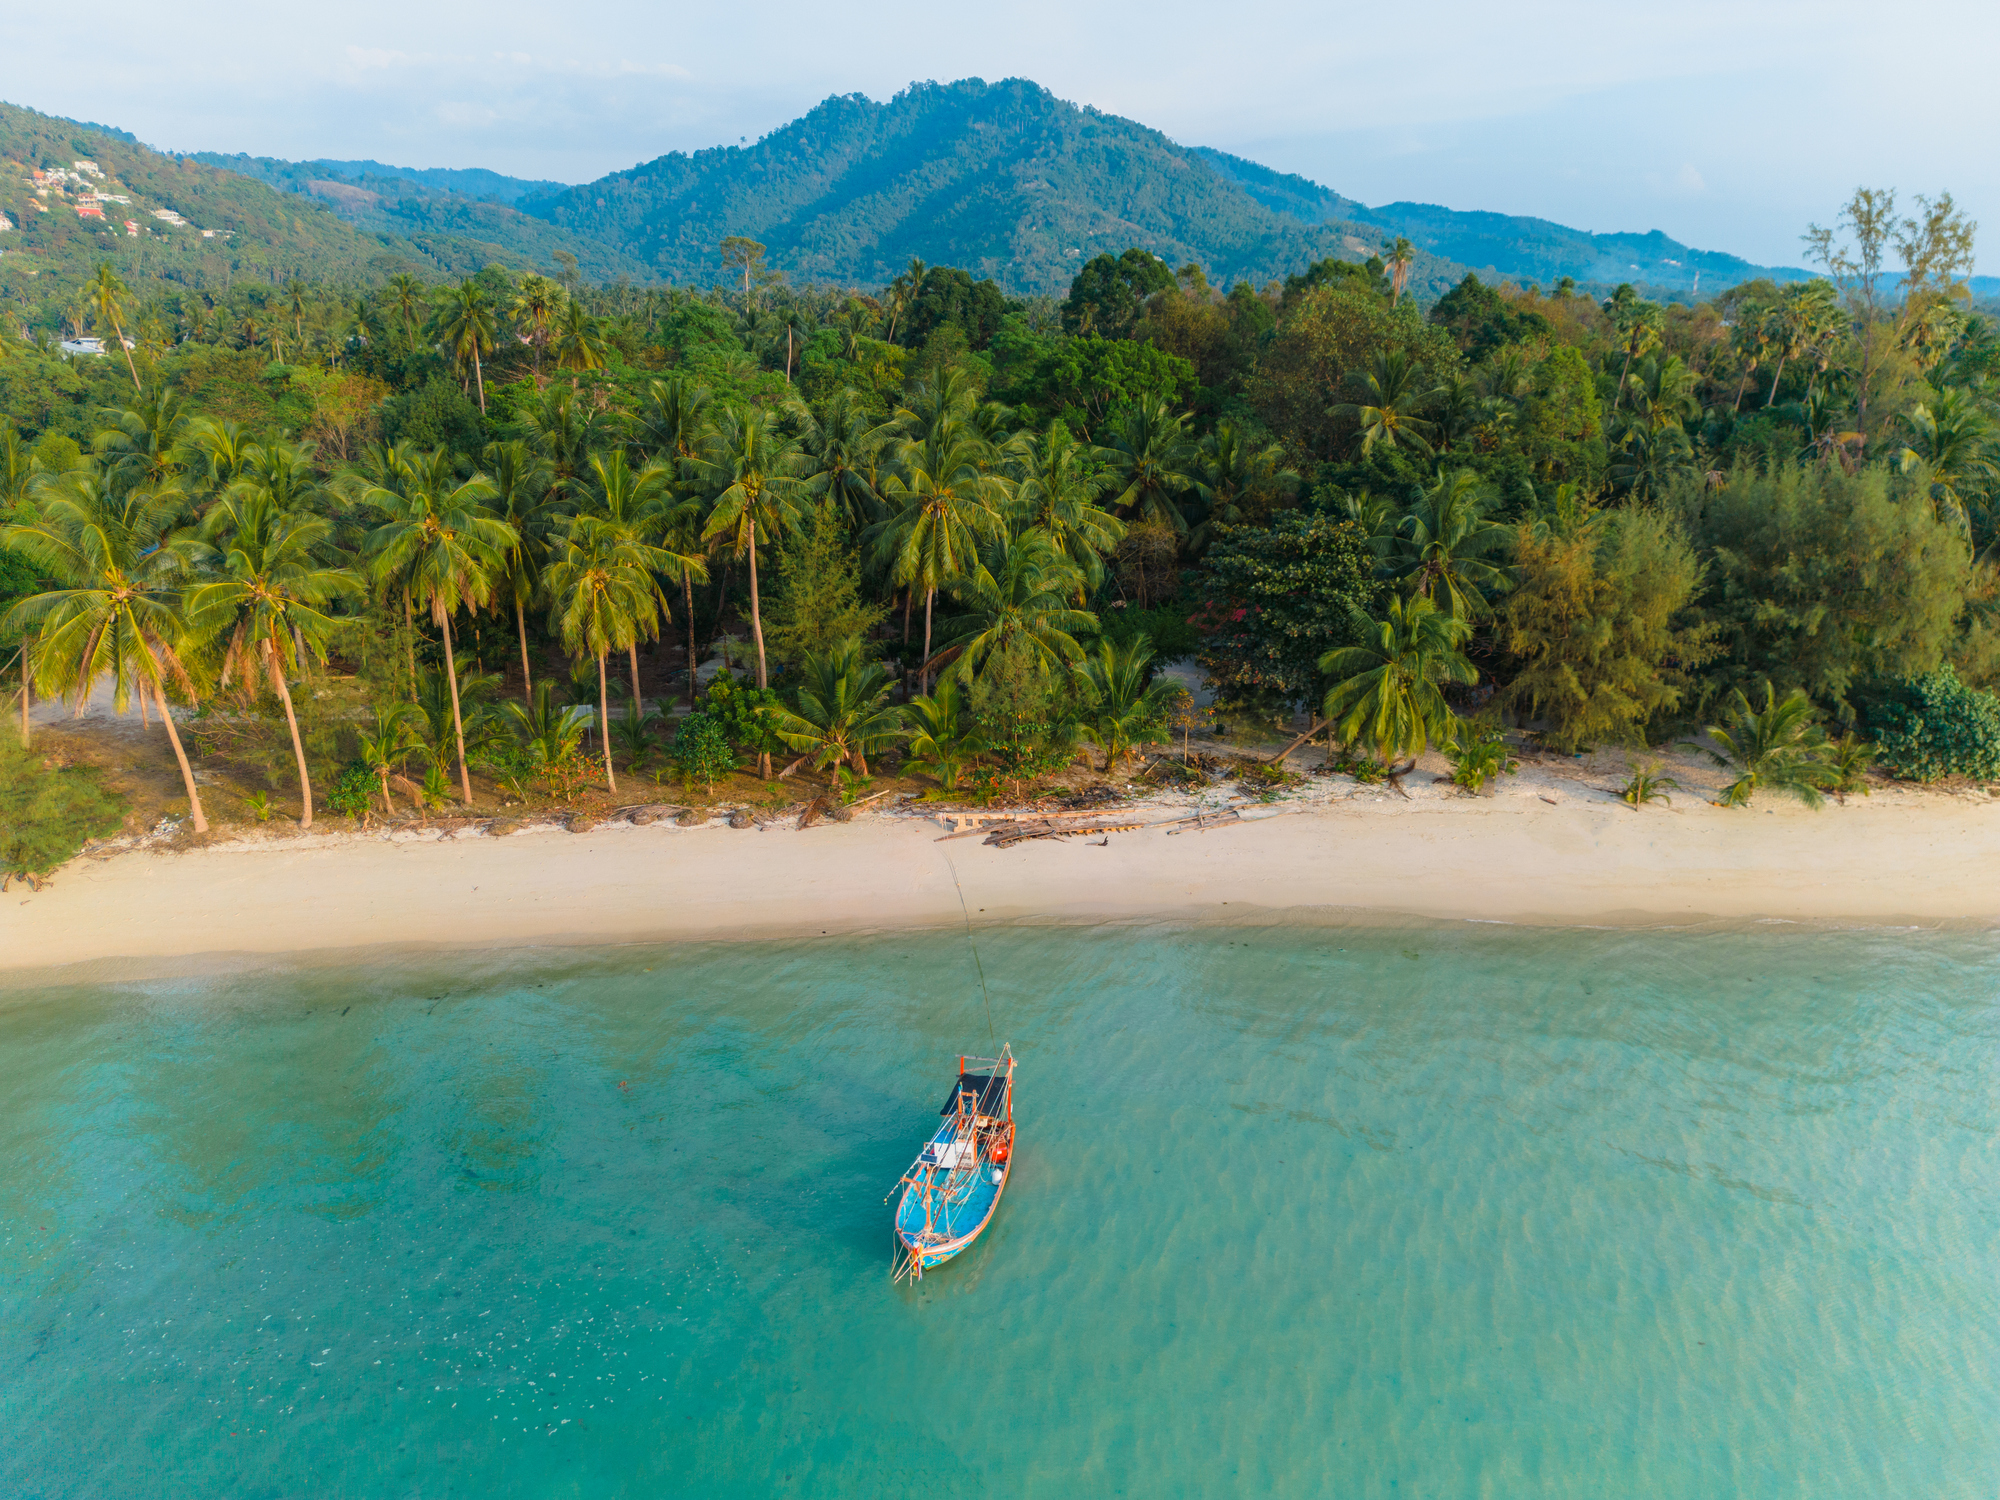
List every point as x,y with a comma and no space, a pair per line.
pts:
1582,858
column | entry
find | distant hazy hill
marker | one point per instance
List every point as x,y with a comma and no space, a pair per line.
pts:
1503,244
1003,179
461,218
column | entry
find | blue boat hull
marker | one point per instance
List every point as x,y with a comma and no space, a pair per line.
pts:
960,1220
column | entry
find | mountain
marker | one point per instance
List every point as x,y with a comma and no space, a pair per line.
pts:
1003,179
1502,244
461,218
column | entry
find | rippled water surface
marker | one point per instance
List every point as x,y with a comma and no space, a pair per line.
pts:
1430,1211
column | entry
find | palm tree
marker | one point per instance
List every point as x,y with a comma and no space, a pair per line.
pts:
1155,463
944,503
753,472
638,503
1122,705
295,304
142,443
446,548
602,593
1395,392
1397,257
842,711
118,611
1639,325
406,295
671,418
580,343
547,730
942,733
1057,484
534,308
1951,445
466,326
1776,748
522,498
1663,393
566,430
841,446
1386,694
1243,479
1018,599
1439,548
108,298
271,600
387,743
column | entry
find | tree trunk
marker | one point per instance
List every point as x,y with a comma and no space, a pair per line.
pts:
1771,400
687,592
604,719
273,666
1630,349
479,379
187,771
756,618
527,677
909,601
457,717
410,643
117,329
924,671
1741,385
388,807
634,650
27,690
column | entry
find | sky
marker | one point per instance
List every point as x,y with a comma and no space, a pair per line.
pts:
1728,125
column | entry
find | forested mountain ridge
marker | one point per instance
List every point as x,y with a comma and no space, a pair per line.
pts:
1504,245
1003,179
476,183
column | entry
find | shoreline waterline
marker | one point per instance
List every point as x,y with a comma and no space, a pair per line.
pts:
349,898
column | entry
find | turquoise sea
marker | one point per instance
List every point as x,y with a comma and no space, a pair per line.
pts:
1420,1211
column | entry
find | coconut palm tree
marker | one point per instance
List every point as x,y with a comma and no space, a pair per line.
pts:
1122,706
580,343
1639,326
1057,484
842,446
1386,695
1019,599
388,741
446,548
640,504
842,711
1397,257
943,503
1439,549
601,592
466,325
117,613
1776,748
406,295
1154,463
142,444
1950,445
943,735
753,472
522,498
109,298
1243,480
534,308
271,600
547,730
671,418
566,430
1394,392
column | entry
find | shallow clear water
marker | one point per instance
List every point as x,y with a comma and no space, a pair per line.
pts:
1429,1211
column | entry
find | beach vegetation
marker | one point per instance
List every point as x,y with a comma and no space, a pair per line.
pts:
839,711
1777,746
1934,726
1387,694
701,751
1479,754
49,811
1646,784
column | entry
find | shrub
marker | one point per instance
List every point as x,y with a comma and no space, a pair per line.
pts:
352,789
1937,726
701,750
47,813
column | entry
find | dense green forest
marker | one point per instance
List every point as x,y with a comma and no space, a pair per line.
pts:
425,532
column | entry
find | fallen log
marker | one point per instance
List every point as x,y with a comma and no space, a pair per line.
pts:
1318,725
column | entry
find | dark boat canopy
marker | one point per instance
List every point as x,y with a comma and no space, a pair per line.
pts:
988,1089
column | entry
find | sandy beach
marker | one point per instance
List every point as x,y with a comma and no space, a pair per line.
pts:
1551,848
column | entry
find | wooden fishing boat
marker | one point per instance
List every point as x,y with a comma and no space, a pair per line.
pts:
951,1190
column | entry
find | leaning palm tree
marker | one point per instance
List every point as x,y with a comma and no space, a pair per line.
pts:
753,472
465,325
1776,748
443,545
601,590
1122,706
388,741
842,710
271,600
1386,695
109,298
1018,600
1439,549
117,613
